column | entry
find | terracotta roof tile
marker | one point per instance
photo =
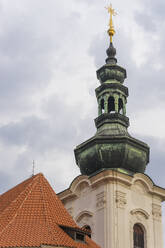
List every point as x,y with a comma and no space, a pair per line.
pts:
31,215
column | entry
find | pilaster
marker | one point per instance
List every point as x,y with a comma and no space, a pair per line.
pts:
157,224
117,201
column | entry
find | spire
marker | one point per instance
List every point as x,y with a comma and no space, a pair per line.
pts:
111,51
112,147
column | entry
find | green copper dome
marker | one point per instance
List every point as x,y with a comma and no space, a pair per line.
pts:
112,146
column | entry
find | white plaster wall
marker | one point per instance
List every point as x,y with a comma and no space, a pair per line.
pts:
88,208
112,206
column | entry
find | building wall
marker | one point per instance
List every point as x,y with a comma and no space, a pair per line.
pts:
111,203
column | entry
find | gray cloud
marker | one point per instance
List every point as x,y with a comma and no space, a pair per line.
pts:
53,44
31,49
154,10
42,133
145,20
6,181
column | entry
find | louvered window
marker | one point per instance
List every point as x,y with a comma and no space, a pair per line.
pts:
138,236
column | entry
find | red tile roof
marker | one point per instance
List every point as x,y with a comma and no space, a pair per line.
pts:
31,215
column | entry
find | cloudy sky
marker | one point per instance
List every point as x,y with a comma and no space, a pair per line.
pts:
49,53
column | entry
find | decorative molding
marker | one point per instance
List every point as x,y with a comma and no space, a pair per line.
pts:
121,199
100,200
85,218
156,212
140,187
145,180
83,214
82,189
141,217
140,213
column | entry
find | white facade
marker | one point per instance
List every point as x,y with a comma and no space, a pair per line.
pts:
111,203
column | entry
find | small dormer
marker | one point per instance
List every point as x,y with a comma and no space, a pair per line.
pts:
77,234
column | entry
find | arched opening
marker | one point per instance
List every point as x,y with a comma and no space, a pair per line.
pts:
88,228
120,104
111,104
102,106
138,236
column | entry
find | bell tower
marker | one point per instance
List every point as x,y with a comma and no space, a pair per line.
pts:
119,204
112,146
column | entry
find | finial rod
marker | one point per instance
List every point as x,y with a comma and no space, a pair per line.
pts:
111,30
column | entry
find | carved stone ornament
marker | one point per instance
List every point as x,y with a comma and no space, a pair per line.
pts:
156,211
100,200
140,214
120,199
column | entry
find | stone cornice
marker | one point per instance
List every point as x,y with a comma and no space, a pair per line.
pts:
114,176
67,194
110,176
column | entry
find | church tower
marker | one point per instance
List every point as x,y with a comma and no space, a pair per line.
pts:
113,197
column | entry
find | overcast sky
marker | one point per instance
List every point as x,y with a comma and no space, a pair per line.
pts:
49,53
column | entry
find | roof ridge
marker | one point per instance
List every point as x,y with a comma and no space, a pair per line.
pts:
50,220
46,219
50,224
32,183
11,191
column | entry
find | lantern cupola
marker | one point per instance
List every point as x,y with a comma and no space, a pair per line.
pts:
112,147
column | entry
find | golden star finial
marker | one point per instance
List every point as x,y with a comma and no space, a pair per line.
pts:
111,30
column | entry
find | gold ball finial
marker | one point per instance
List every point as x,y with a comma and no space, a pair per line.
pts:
111,30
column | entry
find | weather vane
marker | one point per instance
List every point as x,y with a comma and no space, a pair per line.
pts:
111,30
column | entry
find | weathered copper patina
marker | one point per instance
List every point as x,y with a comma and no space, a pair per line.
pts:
112,146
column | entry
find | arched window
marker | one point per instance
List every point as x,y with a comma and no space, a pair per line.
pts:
138,236
102,106
111,104
120,105
88,228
